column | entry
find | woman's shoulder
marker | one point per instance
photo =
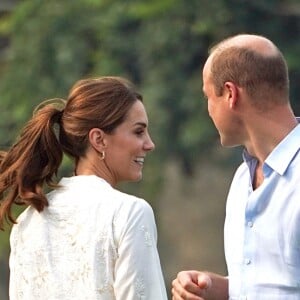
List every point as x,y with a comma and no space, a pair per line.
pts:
130,201
95,196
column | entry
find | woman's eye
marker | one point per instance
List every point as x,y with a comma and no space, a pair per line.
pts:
139,132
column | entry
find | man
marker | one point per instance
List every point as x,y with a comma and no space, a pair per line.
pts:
245,81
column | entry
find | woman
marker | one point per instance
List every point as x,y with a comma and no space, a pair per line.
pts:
84,239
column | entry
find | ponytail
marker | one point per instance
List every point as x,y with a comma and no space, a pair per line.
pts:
32,161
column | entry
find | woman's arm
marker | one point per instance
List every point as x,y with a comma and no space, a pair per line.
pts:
138,271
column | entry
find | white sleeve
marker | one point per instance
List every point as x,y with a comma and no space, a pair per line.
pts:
138,273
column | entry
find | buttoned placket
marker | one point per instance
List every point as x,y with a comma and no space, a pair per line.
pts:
248,244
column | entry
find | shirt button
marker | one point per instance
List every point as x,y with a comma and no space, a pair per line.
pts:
247,261
250,224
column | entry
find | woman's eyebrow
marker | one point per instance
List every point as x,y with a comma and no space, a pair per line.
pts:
143,124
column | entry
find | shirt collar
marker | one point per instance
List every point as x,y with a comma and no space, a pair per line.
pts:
280,158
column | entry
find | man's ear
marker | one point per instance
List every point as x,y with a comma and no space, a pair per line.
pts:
97,139
232,93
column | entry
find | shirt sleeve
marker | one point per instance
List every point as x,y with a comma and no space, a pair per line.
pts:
138,273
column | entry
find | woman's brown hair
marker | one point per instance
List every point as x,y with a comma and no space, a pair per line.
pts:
54,129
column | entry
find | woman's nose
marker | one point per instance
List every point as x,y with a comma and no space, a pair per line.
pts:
149,145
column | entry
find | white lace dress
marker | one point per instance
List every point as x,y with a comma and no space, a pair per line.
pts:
92,242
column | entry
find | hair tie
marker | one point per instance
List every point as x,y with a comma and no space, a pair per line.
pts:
58,103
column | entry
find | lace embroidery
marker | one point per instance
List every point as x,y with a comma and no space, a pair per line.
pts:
147,236
140,288
67,253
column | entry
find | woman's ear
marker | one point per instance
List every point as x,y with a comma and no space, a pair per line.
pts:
97,139
232,93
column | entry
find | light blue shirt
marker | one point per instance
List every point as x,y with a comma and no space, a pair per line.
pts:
262,226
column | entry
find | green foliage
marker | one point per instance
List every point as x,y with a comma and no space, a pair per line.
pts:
161,45
4,235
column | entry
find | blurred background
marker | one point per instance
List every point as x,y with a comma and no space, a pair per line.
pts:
161,45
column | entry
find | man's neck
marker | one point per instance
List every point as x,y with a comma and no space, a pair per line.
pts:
266,130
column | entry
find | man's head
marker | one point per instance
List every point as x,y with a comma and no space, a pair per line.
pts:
253,63
243,71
